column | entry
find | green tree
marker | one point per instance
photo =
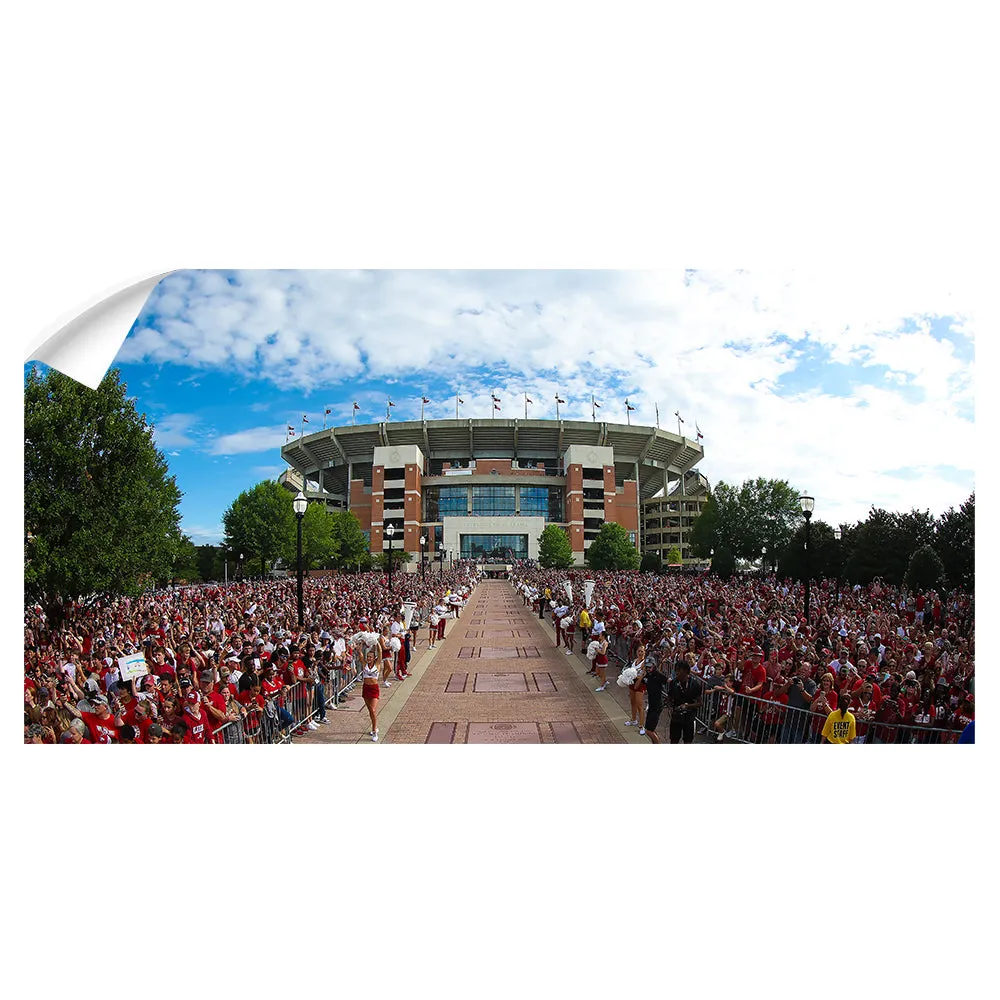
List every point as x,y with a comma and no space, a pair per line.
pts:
209,559
705,530
554,550
651,563
611,549
674,557
768,512
724,562
823,553
956,544
883,544
352,545
185,564
761,512
925,569
100,507
260,523
399,558
320,545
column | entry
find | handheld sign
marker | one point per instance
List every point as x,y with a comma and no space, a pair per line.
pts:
132,666
408,608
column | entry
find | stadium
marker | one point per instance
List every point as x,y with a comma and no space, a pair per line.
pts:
486,488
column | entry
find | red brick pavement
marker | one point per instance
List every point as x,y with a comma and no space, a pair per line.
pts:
499,644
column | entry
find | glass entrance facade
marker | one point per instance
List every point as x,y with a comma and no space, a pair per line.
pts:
502,548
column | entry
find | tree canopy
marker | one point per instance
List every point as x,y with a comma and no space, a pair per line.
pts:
612,549
761,512
352,545
554,550
100,507
260,524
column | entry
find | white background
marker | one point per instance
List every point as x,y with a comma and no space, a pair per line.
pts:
141,138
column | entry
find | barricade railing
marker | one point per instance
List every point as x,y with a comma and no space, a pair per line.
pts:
725,715
285,714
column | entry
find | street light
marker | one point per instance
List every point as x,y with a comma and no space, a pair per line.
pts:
807,503
763,559
299,505
837,535
389,532
423,562
711,557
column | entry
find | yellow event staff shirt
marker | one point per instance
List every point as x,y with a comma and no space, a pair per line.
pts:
837,728
584,620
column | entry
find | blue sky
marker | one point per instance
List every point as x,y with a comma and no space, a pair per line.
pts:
858,389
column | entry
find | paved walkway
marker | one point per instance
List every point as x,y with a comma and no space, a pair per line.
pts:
498,677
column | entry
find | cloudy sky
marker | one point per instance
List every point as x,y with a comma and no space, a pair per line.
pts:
858,388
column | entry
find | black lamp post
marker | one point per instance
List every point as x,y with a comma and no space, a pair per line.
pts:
838,534
441,570
299,505
807,504
423,561
389,532
763,560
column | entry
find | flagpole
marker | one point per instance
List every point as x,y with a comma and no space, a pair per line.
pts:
593,408
456,406
421,409
628,413
657,405
557,406
680,420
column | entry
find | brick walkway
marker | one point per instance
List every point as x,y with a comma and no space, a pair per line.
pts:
497,678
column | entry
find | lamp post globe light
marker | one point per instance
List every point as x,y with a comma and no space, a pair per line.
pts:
763,559
299,505
808,504
423,561
389,532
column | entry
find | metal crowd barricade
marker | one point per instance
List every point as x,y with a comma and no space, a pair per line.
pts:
739,718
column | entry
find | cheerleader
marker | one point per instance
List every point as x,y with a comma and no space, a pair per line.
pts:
601,662
369,690
637,692
385,650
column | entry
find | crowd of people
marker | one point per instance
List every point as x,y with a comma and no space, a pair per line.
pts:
873,663
219,656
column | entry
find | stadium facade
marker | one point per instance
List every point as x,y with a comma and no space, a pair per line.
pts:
487,488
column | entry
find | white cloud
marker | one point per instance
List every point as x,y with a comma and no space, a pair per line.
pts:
204,534
248,441
711,344
270,471
171,430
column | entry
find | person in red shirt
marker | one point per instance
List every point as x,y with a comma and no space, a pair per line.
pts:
771,713
102,724
823,703
196,721
865,708
253,701
214,706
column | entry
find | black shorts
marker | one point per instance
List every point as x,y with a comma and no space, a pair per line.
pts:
682,727
653,717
